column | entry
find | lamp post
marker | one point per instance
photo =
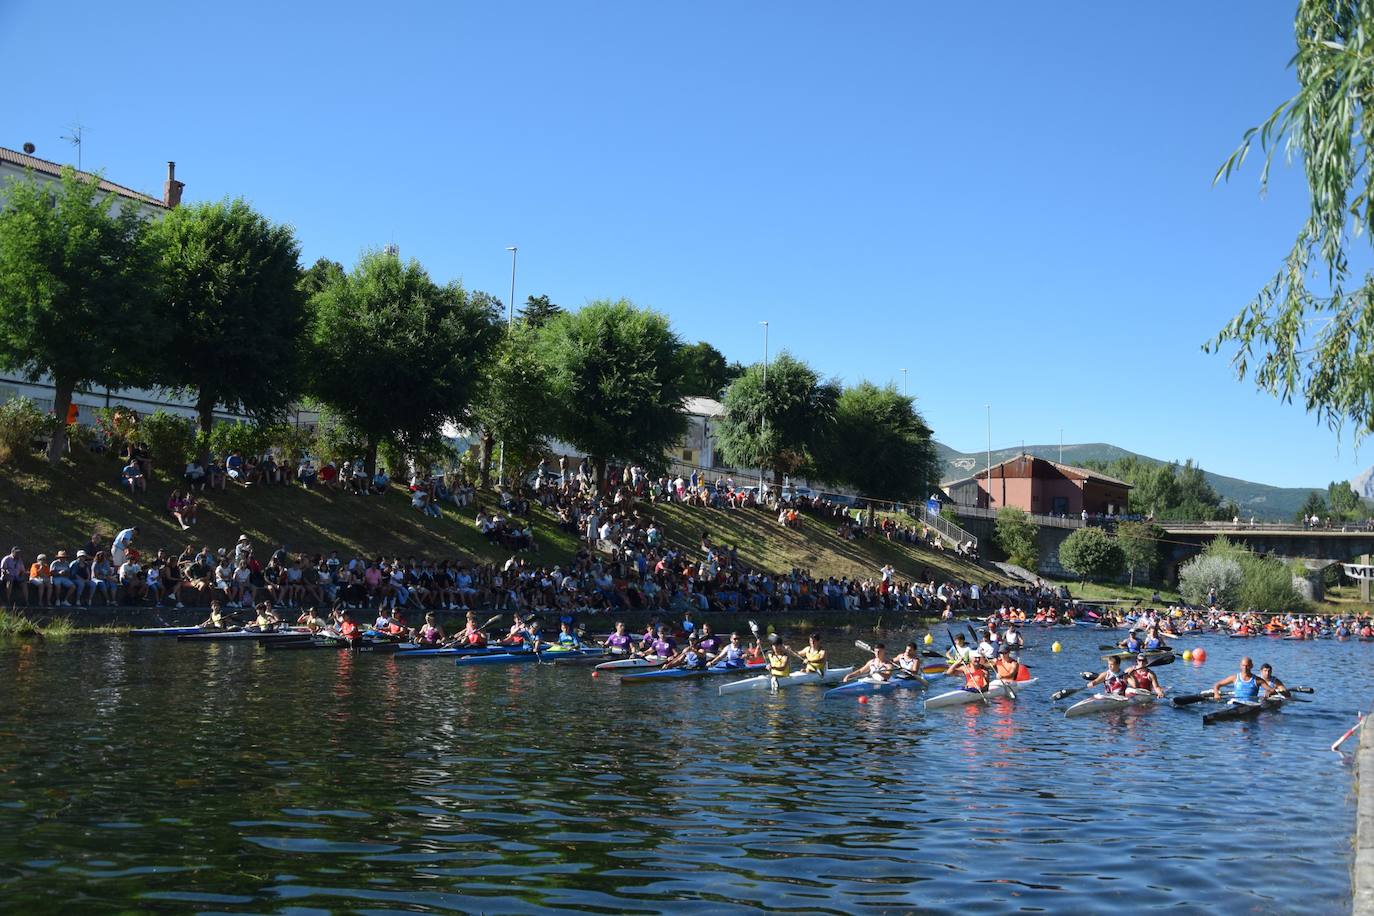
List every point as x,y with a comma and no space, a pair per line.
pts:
510,324
988,408
763,427
903,383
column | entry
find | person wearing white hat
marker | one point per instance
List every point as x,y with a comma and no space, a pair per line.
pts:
63,588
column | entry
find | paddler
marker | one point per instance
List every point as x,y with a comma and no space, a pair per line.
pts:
778,659
1142,678
430,634
690,658
567,639
1008,668
734,654
877,668
619,641
708,641
975,672
217,619
349,629
910,660
1013,639
1132,643
471,635
959,653
310,619
987,645
1153,641
1276,686
267,619
813,656
662,644
1113,680
1245,685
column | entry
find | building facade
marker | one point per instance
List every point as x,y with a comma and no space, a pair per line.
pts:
1041,487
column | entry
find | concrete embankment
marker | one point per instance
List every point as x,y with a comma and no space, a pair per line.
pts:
1362,876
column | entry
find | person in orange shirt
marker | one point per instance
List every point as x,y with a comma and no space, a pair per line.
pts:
73,413
40,577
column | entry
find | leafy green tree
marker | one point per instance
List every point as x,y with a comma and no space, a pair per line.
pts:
1291,338
1139,547
1091,553
319,275
1014,534
704,370
781,424
235,310
1344,502
539,311
396,355
77,275
615,375
880,445
1315,505
515,408
1167,491
1211,575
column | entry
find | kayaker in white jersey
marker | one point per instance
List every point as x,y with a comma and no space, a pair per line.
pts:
877,668
910,660
733,655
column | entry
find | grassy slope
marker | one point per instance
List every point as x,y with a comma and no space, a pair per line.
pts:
50,508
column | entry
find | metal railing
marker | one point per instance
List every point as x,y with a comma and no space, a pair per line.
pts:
1050,521
946,529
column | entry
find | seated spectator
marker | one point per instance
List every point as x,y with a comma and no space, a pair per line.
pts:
234,467
63,587
195,475
80,574
14,576
380,481
132,478
420,500
177,508
40,578
328,476
306,473
132,579
104,579
214,475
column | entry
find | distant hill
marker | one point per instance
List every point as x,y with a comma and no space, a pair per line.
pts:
1263,501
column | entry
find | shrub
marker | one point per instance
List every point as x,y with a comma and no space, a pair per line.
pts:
1204,573
1015,535
21,422
1091,553
247,438
1268,585
336,440
291,441
170,438
116,426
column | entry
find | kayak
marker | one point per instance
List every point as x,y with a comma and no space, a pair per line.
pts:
1109,702
1242,709
524,655
962,697
1150,654
259,635
639,661
795,679
411,650
674,674
868,686
172,631
327,642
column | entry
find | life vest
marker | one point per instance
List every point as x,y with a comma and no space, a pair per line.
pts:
779,665
1139,678
975,678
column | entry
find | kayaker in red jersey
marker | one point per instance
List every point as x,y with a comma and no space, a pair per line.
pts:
1142,678
1113,680
350,631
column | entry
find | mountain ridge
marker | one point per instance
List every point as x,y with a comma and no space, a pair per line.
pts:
1263,501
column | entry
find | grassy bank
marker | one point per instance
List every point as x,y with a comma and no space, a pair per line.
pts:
1093,591
49,508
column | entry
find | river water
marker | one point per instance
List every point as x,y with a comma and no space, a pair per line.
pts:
156,776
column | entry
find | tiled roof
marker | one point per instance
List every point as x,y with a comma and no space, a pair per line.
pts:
44,167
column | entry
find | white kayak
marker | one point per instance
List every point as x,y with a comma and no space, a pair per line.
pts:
1110,702
795,679
639,661
963,697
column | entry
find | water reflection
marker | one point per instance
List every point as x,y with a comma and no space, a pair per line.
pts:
222,776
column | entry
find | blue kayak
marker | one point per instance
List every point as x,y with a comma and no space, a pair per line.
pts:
677,674
525,655
865,686
456,651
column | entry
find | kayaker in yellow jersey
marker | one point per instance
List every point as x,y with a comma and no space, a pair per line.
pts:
778,660
877,668
812,657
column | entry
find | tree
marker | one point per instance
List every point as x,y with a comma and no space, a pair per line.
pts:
1344,502
880,445
1014,533
235,310
1293,339
515,408
319,275
615,375
704,370
539,311
1167,491
396,355
780,424
1091,553
1139,547
77,272
1315,505
1211,575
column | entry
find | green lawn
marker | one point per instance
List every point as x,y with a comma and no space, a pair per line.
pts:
50,508
1094,591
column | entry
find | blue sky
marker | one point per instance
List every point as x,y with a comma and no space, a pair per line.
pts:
1013,201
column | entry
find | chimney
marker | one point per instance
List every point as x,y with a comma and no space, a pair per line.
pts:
171,191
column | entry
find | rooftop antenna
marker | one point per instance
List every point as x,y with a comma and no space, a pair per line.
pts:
74,138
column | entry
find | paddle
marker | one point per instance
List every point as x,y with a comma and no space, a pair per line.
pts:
955,650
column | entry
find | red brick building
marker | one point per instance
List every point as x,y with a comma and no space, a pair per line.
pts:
1042,487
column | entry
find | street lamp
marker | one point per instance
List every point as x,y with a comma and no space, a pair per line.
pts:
903,383
510,323
988,407
763,429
